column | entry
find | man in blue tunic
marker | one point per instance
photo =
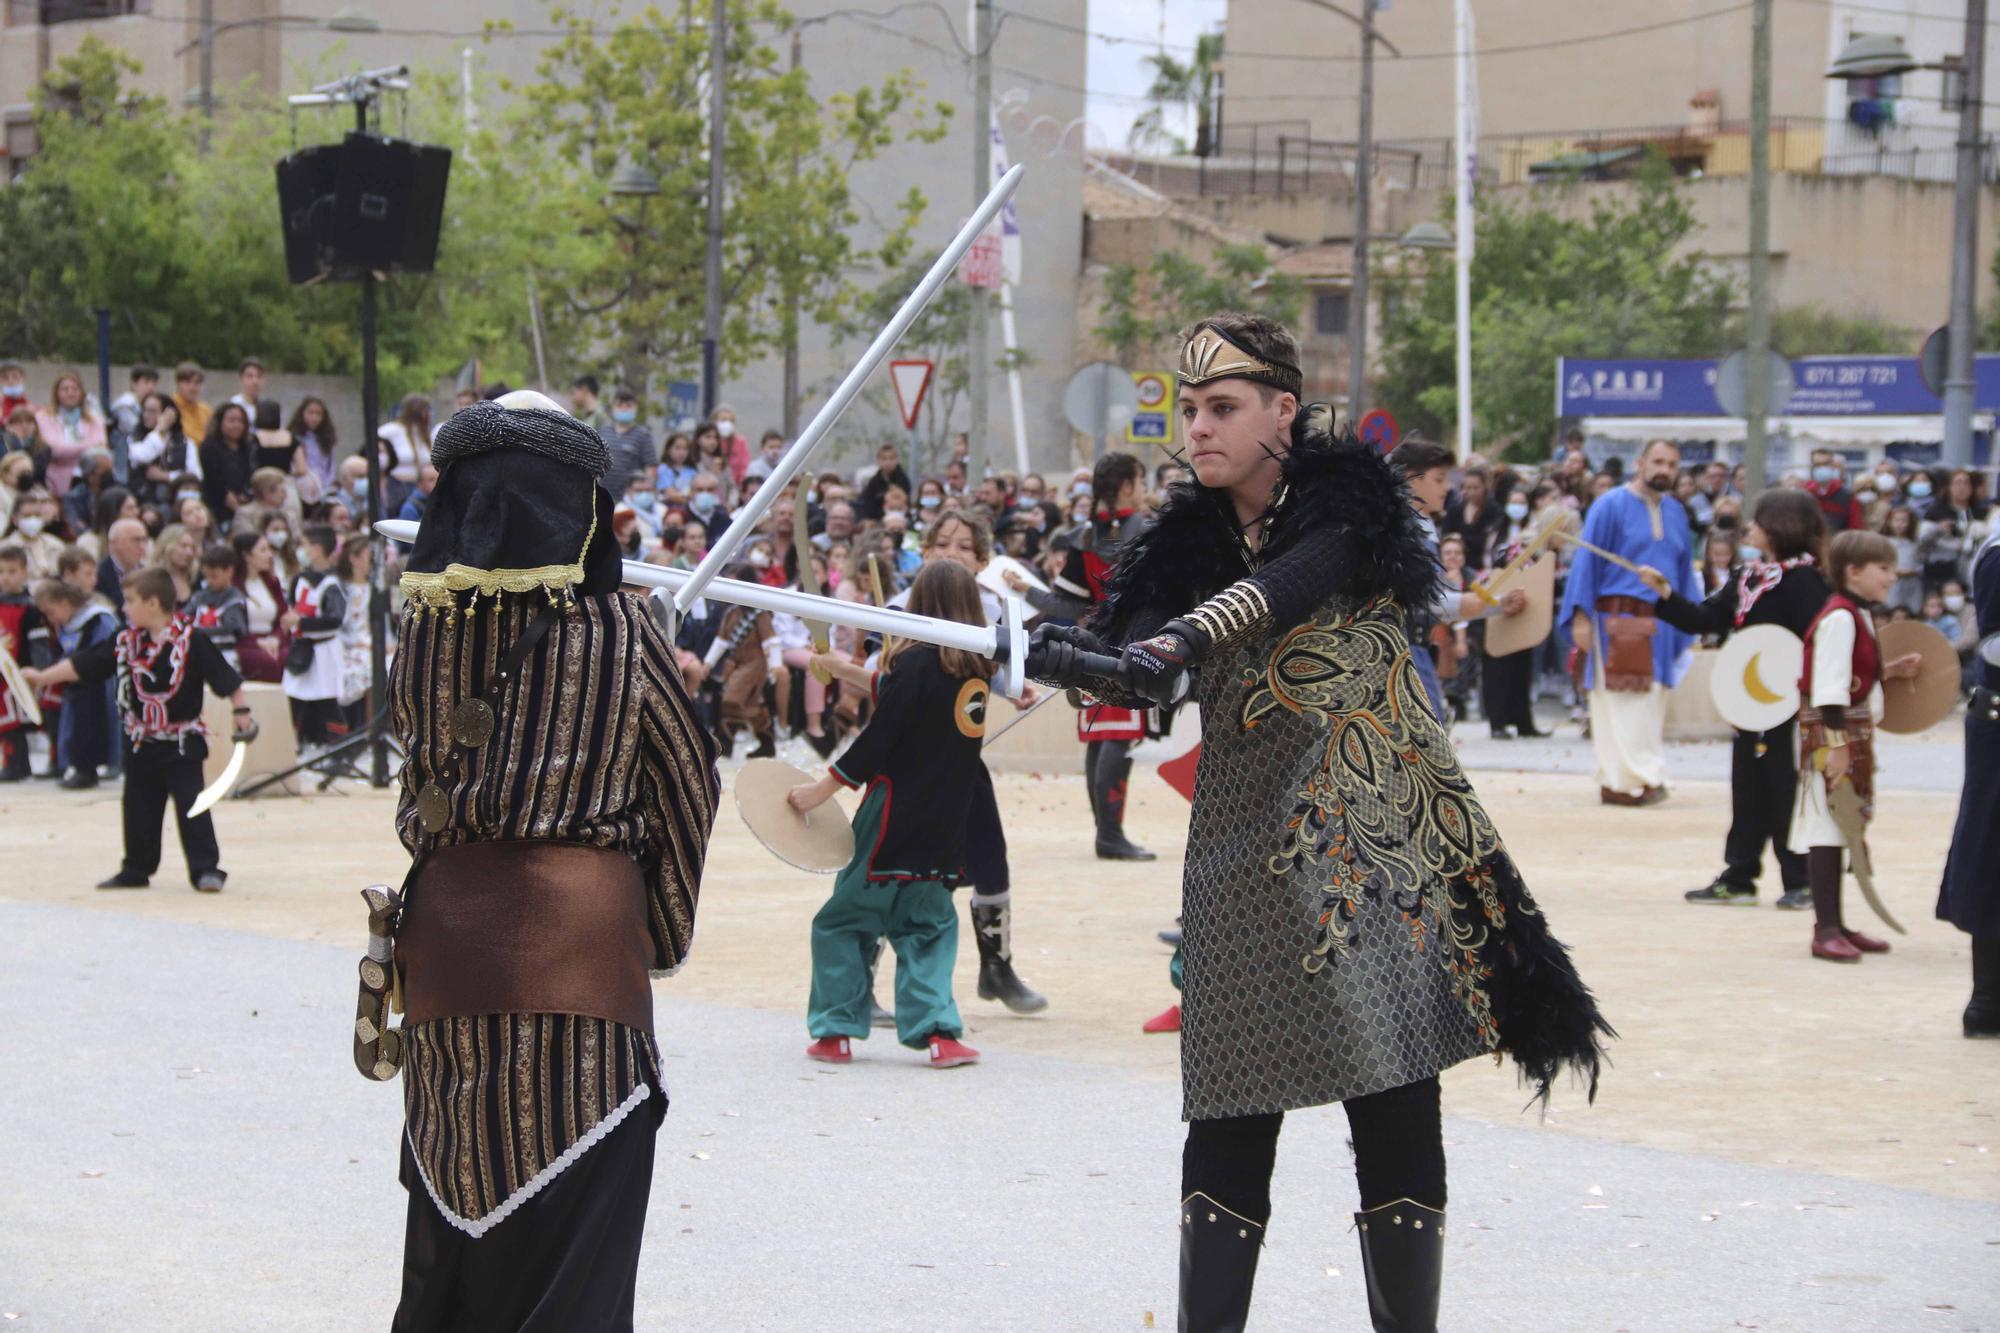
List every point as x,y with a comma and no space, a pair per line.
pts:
1634,657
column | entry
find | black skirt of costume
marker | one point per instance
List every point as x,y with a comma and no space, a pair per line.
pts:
1970,896
565,1262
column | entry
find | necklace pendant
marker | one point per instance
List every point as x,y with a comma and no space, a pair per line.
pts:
472,723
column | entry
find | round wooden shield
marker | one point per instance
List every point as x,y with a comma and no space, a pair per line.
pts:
821,841
1921,702
1755,683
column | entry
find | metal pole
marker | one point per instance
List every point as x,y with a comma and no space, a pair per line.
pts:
1757,352
1462,233
378,584
1959,348
977,368
1357,300
120,445
711,322
791,385
206,41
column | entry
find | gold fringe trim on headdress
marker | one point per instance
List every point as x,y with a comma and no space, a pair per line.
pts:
441,590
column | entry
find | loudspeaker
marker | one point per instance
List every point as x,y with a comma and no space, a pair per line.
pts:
365,203
389,203
306,184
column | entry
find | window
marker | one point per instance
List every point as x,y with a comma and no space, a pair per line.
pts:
1330,312
64,11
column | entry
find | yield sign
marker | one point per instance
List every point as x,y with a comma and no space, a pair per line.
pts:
912,379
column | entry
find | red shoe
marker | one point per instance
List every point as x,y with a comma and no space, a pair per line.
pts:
833,1050
1170,1021
1866,943
950,1052
1835,949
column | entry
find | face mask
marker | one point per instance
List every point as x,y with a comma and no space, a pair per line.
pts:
1517,511
643,501
1866,497
704,502
1920,490
725,428
1080,489
187,495
278,537
1824,473
1884,482
903,514
760,559
930,502
1953,602
624,416
360,488
1748,552
31,524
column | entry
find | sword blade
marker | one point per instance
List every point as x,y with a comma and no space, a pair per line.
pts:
214,792
1845,804
723,548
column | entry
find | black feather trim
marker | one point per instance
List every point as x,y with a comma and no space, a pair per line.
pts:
1191,550
1547,1018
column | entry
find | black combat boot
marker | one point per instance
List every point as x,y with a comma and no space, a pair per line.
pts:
1219,1251
997,981
1108,776
1982,1013
1402,1257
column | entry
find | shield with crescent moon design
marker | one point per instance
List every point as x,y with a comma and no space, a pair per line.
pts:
1755,684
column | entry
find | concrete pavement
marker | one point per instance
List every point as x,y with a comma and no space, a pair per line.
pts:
188,1147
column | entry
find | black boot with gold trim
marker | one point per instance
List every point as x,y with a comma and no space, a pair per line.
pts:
1402,1255
1219,1252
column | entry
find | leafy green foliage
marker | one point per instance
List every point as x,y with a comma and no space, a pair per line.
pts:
1145,309
1811,330
1177,85
1546,285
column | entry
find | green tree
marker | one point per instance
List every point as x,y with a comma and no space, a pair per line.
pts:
1546,285
636,96
1179,86
1145,309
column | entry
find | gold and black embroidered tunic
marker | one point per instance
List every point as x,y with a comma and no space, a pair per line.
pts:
559,862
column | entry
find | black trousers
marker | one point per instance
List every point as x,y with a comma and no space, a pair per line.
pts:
1397,1137
566,1262
156,773
1762,789
1504,689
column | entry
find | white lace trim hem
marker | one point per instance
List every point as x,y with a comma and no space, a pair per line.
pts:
476,1229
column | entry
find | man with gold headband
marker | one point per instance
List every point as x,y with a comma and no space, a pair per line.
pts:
557,801
1352,923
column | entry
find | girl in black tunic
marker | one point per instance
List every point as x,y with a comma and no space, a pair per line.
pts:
1782,587
1970,898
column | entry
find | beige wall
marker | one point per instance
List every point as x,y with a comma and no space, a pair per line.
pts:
1634,81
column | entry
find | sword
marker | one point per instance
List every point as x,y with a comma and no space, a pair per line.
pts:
1845,804
213,794
1018,719
809,582
1005,643
17,684
747,518
378,1048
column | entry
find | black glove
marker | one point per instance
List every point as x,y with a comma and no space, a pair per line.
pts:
1056,655
246,728
1157,668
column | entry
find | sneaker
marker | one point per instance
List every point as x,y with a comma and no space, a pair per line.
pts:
949,1053
831,1050
1172,937
121,880
1170,1021
209,883
1723,893
1796,900
79,779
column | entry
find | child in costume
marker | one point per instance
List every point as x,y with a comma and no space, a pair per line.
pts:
86,739
918,760
312,663
219,608
162,665
24,636
745,655
1841,692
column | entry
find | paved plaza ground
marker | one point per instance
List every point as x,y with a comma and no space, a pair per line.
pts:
1780,1143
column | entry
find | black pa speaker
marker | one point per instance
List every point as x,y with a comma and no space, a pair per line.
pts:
389,203
365,203
307,181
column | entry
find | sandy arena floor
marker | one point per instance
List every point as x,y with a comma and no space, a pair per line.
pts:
1734,1042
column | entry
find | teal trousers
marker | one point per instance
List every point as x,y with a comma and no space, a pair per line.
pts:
921,925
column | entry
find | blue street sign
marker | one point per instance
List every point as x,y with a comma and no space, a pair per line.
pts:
683,403
1825,386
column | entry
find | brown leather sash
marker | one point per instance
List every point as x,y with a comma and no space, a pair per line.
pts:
1628,646
1860,748
516,927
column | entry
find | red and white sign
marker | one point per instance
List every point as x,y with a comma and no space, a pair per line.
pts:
984,264
912,379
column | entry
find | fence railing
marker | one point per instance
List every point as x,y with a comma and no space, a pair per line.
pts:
1282,157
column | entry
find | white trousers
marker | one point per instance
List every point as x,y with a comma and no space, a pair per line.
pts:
1628,732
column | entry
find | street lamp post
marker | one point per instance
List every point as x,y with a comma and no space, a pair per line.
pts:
1879,57
635,182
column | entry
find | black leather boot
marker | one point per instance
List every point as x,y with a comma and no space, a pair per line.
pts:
1982,1013
1402,1256
1108,776
991,927
1219,1251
